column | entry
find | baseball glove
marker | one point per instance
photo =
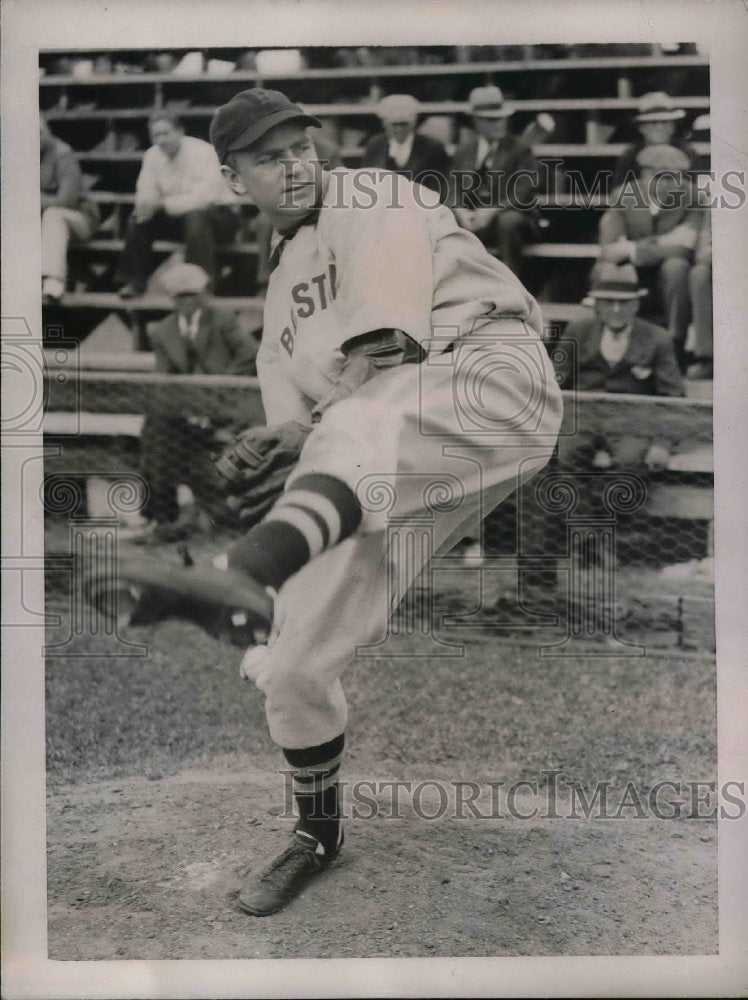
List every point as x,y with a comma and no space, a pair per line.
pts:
226,604
256,465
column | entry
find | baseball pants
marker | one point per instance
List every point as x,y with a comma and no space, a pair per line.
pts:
428,448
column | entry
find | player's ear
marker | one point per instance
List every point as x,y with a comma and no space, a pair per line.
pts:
233,179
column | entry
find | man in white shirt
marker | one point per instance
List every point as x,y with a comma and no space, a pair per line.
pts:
180,194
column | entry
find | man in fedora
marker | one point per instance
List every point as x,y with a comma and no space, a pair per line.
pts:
195,339
654,223
402,149
494,177
610,350
613,350
657,121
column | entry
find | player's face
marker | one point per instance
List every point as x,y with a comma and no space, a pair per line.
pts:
167,137
281,173
616,314
656,132
399,131
490,128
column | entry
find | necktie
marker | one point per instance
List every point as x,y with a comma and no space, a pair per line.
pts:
188,336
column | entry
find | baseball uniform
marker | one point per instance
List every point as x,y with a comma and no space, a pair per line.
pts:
480,414
408,365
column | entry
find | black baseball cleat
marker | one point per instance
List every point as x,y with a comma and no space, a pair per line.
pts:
225,603
275,885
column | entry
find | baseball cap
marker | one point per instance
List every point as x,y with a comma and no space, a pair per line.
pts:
658,107
398,108
615,281
185,279
488,102
661,156
249,115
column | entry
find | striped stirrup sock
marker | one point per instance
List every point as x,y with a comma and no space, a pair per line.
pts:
316,512
315,790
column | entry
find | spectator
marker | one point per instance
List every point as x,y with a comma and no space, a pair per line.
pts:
657,123
176,447
615,350
328,155
654,223
402,149
180,193
494,177
66,211
611,350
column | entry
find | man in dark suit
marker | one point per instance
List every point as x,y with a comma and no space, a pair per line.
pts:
176,447
402,149
493,180
611,350
615,351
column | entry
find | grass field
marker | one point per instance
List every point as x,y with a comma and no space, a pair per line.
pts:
163,786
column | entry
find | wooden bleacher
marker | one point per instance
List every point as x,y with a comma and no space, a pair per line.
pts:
602,89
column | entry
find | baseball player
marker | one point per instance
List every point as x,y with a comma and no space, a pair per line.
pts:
404,382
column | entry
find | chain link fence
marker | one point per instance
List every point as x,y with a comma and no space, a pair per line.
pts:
613,558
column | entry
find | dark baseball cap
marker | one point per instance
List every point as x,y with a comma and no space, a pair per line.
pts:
249,115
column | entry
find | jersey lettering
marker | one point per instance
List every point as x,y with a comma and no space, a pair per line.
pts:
305,299
304,302
286,339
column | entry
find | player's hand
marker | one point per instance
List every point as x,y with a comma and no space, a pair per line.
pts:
602,459
657,457
256,465
248,456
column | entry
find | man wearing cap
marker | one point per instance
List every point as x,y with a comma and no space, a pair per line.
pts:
494,177
195,339
402,149
657,121
180,194
654,223
389,334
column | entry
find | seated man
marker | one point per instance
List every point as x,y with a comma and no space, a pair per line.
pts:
654,224
66,211
179,194
611,350
615,351
657,123
176,447
493,180
402,149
